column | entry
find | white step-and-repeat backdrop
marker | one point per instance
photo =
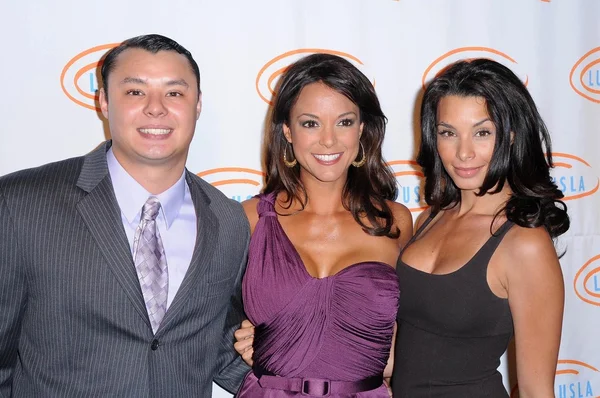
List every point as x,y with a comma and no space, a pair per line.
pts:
50,53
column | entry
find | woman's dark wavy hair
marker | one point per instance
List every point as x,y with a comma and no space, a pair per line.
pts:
524,165
368,187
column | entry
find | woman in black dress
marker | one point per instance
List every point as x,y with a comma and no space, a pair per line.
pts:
482,265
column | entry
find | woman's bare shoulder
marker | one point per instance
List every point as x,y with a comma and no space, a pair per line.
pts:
421,218
403,221
250,208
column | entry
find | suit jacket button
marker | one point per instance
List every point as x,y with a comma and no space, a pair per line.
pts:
154,345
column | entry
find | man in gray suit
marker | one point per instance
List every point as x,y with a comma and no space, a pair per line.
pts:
120,271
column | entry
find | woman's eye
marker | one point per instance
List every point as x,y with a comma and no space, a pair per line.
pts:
346,122
483,133
445,133
309,124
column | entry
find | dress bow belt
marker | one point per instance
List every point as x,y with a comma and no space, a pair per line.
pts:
316,387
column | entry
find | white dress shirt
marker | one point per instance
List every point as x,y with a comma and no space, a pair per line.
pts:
176,221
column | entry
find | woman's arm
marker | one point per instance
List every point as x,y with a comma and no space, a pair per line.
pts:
244,336
404,221
535,287
387,372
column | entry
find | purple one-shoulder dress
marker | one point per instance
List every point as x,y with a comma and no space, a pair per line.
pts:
314,336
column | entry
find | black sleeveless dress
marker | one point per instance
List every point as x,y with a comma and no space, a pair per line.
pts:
452,330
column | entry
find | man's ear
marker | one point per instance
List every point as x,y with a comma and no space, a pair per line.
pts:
199,106
103,100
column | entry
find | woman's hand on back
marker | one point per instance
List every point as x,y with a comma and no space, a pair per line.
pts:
244,337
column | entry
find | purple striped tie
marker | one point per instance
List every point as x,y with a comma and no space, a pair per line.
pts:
151,263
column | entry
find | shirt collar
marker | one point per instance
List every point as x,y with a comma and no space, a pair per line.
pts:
131,196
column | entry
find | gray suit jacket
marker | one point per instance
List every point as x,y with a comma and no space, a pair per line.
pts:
72,318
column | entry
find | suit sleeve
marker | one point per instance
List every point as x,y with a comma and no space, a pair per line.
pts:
12,298
231,368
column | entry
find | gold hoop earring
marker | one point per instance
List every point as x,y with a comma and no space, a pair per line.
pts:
361,162
285,161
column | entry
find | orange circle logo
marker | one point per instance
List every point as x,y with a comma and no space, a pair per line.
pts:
410,184
78,78
573,380
587,281
467,53
236,183
267,77
574,176
585,76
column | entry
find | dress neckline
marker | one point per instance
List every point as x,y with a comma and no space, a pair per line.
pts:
500,232
271,200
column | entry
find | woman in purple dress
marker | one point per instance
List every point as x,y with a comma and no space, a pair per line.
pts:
321,285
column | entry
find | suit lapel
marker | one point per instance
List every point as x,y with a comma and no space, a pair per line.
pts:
101,214
100,211
207,230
